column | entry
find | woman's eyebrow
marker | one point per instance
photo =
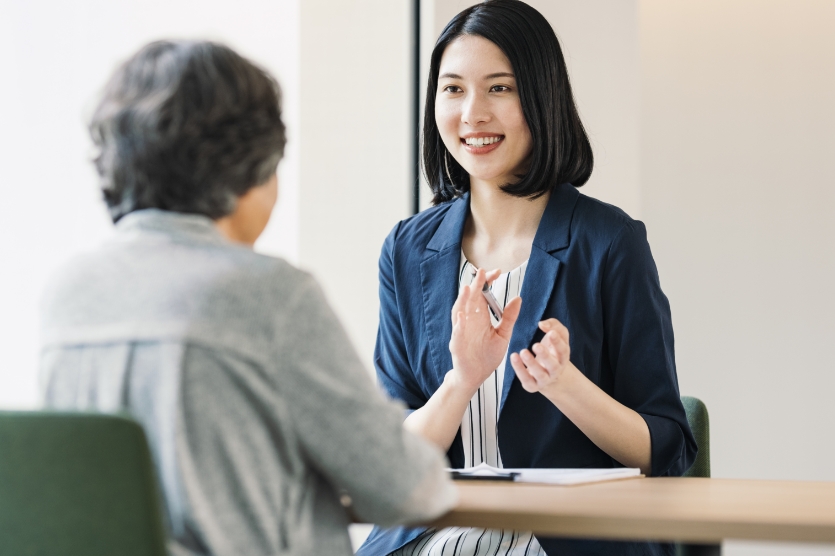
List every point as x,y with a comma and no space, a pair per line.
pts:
500,74
486,77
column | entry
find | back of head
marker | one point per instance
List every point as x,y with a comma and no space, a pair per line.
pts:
186,126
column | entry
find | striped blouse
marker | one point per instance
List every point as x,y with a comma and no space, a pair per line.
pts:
480,438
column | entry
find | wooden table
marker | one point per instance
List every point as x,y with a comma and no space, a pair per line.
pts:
664,509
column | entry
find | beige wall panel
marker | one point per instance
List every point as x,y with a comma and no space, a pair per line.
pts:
599,39
355,157
738,168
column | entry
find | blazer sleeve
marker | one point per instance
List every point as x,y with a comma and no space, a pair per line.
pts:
639,332
391,356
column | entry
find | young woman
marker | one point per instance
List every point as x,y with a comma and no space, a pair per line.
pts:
580,371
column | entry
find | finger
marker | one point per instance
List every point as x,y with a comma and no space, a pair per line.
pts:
476,303
492,275
464,298
557,329
546,357
457,305
560,345
552,342
509,316
525,378
553,353
479,279
535,369
474,300
548,325
459,301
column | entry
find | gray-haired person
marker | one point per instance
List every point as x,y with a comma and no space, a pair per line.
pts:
257,409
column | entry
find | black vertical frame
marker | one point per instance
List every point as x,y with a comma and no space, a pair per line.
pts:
415,124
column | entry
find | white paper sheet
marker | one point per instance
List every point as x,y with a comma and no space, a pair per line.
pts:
553,476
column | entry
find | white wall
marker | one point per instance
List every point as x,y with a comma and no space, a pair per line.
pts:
738,169
345,70
55,57
355,148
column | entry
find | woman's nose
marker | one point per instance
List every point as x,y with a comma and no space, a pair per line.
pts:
475,110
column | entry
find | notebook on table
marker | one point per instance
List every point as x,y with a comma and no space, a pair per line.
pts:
484,472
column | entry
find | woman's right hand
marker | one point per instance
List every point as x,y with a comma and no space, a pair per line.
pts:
478,347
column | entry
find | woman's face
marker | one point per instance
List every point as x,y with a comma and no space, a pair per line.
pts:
479,113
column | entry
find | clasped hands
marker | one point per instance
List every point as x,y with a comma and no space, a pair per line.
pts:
478,347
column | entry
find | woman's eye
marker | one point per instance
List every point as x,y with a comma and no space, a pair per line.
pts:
452,89
499,88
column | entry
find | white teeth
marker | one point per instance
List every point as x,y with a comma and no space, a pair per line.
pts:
481,141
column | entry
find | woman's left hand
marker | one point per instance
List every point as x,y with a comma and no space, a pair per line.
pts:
544,367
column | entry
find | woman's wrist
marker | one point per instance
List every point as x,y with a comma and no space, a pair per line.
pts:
456,381
561,388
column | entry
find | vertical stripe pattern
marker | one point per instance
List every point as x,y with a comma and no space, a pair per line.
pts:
479,434
478,427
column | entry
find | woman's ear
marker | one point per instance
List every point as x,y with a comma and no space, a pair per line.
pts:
252,213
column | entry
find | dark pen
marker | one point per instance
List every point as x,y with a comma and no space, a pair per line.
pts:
459,476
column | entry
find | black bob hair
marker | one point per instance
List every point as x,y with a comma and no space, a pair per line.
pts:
186,126
561,149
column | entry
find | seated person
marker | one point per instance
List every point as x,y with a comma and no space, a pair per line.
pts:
262,421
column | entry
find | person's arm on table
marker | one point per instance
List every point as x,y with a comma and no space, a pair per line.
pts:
349,431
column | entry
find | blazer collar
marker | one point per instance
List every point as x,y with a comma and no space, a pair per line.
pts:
554,232
451,229
552,235
439,282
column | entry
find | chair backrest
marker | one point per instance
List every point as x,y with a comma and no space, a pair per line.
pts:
77,484
700,425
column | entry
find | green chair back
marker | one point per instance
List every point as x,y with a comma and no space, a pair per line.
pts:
700,425
77,484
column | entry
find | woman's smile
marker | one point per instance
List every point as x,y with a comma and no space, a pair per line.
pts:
478,143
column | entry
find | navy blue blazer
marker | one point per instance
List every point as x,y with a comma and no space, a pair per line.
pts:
591,268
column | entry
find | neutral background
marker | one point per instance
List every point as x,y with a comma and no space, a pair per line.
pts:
712,121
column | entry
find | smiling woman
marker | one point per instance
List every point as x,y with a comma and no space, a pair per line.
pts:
579,374
518,61
478,111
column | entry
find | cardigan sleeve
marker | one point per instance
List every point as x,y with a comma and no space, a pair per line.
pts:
347,429
391,359
639,332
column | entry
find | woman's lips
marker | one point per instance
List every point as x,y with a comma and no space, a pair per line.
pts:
483,149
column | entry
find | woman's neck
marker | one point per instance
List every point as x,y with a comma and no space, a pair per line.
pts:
500,228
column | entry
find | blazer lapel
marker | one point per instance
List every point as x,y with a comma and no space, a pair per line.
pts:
552,236
439,282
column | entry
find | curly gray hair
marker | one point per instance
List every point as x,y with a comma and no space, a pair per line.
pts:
188,127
